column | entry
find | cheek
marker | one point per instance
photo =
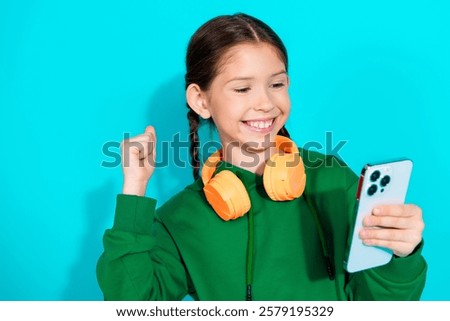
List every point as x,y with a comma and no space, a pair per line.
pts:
284,102
228,108
223,114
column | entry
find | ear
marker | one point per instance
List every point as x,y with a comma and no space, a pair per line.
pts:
196,99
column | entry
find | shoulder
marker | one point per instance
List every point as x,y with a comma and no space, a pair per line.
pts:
325,172
186,204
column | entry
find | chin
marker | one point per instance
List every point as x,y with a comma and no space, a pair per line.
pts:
261,142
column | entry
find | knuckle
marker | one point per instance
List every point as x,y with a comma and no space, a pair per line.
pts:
418,239
405,250
415,239
421,226
417,210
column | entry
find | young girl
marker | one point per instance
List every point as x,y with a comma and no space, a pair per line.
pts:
249,229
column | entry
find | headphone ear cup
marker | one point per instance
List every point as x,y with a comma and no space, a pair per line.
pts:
227,195
284,177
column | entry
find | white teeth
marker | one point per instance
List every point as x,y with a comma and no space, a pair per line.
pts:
260,124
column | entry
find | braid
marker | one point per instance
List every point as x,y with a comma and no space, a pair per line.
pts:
283,132
194,122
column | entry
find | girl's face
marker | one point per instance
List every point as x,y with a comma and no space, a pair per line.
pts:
248,100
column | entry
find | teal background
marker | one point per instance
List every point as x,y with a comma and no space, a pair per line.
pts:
75,75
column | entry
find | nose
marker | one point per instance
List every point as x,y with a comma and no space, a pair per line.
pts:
265,102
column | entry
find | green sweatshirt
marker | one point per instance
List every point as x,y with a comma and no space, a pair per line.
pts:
183,247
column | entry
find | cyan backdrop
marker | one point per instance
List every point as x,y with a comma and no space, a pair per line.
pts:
75,76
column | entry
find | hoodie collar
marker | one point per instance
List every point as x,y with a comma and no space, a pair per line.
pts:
248,178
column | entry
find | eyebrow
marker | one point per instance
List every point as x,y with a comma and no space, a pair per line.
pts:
250,78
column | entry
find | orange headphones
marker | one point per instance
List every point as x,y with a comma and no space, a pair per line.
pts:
284,179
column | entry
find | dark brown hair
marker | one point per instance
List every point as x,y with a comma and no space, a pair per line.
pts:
205,51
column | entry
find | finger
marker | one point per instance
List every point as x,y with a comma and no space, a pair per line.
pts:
408,236
147,150
150,130
141,138
401,249
390,222
396,210
142,147
138,142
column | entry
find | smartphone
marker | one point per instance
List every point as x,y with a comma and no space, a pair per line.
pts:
384,183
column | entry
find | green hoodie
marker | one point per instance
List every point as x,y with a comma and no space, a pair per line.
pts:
183,247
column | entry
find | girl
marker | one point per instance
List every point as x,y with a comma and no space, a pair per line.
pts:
239,232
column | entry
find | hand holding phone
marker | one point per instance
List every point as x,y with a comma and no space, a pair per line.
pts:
380,184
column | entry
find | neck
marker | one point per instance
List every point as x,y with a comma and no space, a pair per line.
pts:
252,160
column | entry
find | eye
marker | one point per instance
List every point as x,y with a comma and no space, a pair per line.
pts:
242,90
278,85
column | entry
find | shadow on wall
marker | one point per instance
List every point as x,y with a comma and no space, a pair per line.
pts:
82,283
166,111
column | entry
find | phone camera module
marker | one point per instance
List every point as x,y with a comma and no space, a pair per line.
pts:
385,180
375,175
372,189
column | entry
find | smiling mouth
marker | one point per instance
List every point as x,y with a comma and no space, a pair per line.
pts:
259,124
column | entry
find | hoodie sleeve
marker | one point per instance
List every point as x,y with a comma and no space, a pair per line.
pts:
140,259
400,279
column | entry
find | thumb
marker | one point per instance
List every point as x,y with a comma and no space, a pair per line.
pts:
150,130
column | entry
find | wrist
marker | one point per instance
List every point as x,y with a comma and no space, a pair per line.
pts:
134,187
